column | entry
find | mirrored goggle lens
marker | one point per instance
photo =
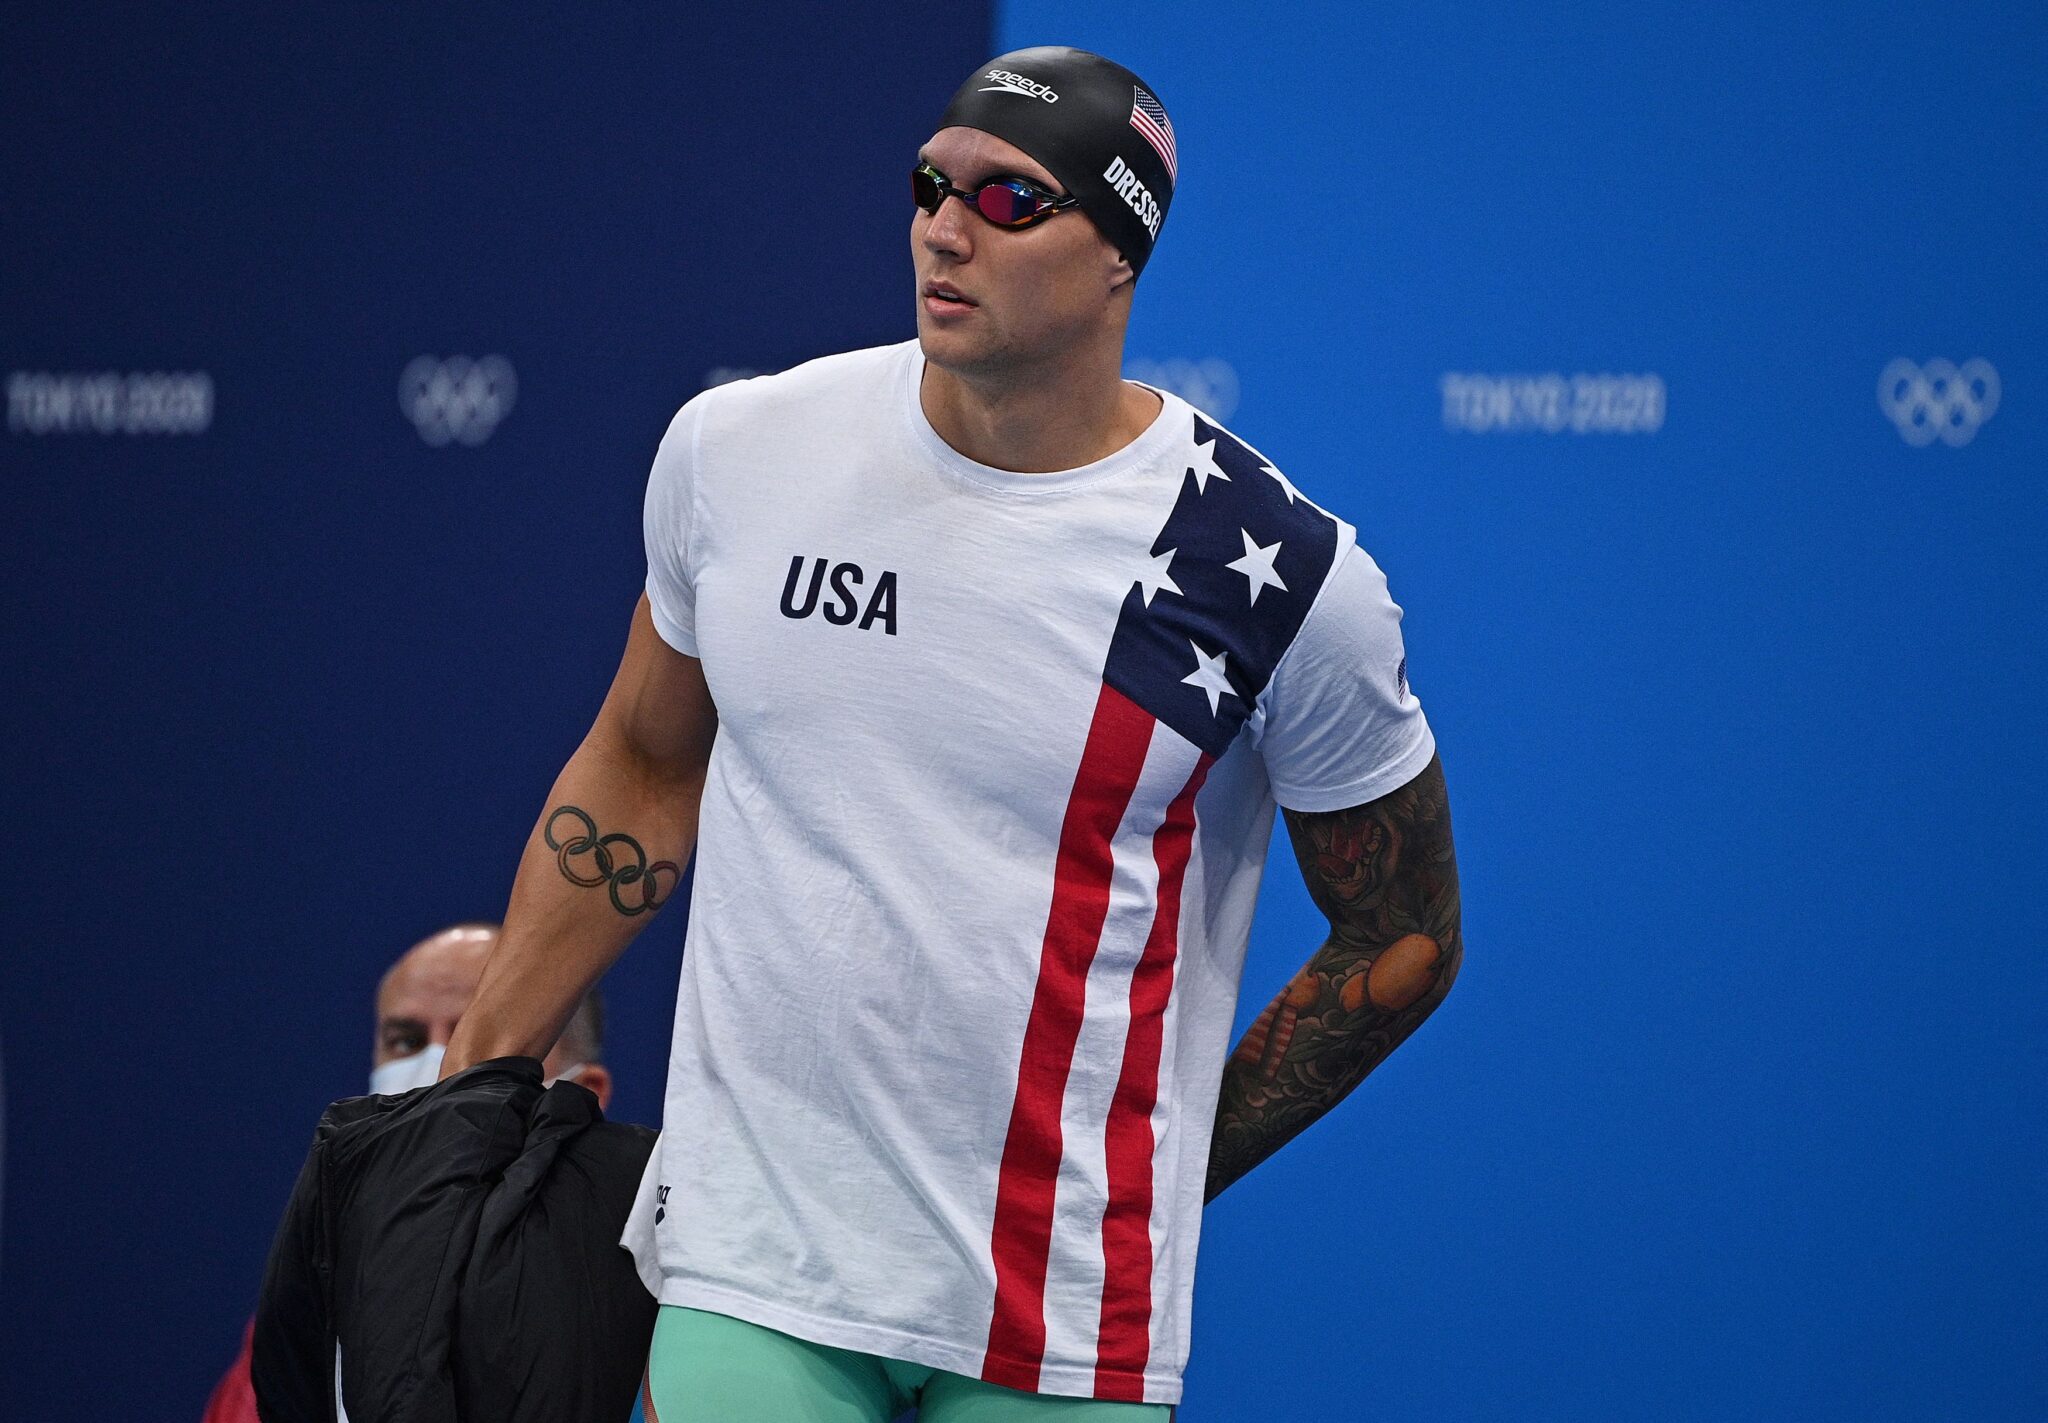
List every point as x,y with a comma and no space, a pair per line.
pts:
924,190
1002,204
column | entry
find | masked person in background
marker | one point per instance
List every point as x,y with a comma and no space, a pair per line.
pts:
427,991
419,1002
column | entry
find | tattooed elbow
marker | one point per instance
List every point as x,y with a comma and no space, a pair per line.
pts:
1405,970
1447,966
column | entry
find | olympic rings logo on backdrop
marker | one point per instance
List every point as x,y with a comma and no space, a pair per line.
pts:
1209,384
1938,400
457,399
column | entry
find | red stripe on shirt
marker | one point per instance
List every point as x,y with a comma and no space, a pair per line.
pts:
1021,1240
1124,1344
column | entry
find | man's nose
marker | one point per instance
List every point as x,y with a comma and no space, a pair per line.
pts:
950,228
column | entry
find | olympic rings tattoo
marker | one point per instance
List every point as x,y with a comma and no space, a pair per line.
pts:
642,881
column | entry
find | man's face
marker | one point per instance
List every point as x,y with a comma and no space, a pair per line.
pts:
1031,292
426,993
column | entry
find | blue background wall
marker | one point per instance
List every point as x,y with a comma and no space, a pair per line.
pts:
1737,1109
288,692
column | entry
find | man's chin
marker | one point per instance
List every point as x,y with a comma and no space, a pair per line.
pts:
955,351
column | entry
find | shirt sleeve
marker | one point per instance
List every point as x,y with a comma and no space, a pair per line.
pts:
667,520
1338,724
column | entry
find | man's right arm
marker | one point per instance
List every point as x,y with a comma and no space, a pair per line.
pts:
606,853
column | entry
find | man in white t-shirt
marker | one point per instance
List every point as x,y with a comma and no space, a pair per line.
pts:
974,674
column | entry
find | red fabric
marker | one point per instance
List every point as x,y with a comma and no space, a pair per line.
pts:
234,1397
1124,1345
1021,1240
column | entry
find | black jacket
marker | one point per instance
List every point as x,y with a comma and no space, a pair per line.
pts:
461,1242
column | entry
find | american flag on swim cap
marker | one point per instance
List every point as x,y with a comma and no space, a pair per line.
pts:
1148,117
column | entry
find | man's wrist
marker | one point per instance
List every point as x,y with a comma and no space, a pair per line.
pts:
466,1049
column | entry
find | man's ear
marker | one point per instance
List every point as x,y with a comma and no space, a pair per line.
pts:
598,1078
1121,275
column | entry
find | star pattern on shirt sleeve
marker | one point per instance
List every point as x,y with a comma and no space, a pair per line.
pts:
1157,576
1205,467
1284,482
1211,676
1220,589
1257,565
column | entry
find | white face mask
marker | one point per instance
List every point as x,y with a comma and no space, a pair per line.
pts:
423,1069
402,1074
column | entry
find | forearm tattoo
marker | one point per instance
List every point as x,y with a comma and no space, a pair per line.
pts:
1385,875
615,861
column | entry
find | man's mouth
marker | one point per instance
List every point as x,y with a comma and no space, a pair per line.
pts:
945,296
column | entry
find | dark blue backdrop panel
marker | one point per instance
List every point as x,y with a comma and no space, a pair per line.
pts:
1735,1111
289,692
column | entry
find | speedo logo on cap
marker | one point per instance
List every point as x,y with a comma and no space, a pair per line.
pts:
1135,193
1012,83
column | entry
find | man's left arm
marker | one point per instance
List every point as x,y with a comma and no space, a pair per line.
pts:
1385,876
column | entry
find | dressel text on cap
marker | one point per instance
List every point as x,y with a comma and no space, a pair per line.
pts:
1134,192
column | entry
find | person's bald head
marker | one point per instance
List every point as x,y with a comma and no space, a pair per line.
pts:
424,995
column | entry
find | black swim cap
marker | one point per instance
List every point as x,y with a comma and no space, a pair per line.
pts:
1094,125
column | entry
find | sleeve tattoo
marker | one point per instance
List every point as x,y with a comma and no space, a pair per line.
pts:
1385,876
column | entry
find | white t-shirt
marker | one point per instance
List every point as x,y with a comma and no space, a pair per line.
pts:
984,822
